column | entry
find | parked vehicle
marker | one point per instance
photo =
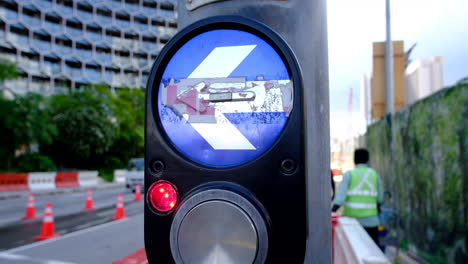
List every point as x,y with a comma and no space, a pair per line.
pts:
135,174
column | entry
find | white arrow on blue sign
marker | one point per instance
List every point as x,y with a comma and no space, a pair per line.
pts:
225,97
220,63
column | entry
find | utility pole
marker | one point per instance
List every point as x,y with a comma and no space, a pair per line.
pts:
390,105
389,62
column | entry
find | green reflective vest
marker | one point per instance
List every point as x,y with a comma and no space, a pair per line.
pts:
361,198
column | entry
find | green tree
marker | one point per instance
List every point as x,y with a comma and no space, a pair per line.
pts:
86,129
8,70
96,128
128,106
33,162
134,100
25,121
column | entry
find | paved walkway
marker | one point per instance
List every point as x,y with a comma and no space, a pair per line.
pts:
405,257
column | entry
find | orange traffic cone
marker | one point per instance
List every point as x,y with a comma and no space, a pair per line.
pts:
137,193
119,210
89,200
30,210
48,226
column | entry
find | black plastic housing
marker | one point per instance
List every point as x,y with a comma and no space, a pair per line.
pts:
280,191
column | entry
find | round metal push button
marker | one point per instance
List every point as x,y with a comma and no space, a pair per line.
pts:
218,226
217,232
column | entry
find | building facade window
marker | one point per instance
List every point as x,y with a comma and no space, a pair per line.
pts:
64,10
43,3
31,21
63,50
93,36
51,67
52,27
85,15
9,14
92,74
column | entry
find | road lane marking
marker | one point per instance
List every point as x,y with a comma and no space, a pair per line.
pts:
13,256
56,262
69,235
35,260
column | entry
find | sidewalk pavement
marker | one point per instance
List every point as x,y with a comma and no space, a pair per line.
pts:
405,257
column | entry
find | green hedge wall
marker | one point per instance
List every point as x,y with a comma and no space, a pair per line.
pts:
429,183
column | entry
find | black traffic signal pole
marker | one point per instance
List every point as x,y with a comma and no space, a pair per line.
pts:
303,24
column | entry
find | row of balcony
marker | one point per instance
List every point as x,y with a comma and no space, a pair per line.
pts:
35,21
83,50
48,66
92,31
85,11
49,86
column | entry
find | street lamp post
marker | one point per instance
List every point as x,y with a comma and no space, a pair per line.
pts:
390,104
388,62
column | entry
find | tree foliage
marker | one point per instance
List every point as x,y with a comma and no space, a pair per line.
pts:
86,129
33,162
128,106
25,121
91,129
8,70
97,129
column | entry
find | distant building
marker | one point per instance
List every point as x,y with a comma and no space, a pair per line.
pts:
423,78
365,103
70,43
378,94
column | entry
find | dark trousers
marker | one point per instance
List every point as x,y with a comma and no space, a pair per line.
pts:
373,233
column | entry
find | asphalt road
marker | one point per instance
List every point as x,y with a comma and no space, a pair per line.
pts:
100,244
69,214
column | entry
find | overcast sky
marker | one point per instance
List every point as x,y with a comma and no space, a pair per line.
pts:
439,27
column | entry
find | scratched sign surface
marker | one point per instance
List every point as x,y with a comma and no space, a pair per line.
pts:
224,97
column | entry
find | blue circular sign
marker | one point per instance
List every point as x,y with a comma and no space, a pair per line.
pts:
225,97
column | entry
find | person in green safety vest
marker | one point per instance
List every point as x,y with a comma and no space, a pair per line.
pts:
361,193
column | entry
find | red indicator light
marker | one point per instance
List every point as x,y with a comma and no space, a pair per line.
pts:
163,196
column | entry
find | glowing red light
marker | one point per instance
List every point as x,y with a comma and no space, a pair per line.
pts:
163,196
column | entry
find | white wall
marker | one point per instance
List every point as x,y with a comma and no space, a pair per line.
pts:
423,78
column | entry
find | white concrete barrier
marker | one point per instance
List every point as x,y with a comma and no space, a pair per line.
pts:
352,244
119,176
41,181
87,178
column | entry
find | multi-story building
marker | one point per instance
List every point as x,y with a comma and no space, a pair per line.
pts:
423,78
59,44
378,83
